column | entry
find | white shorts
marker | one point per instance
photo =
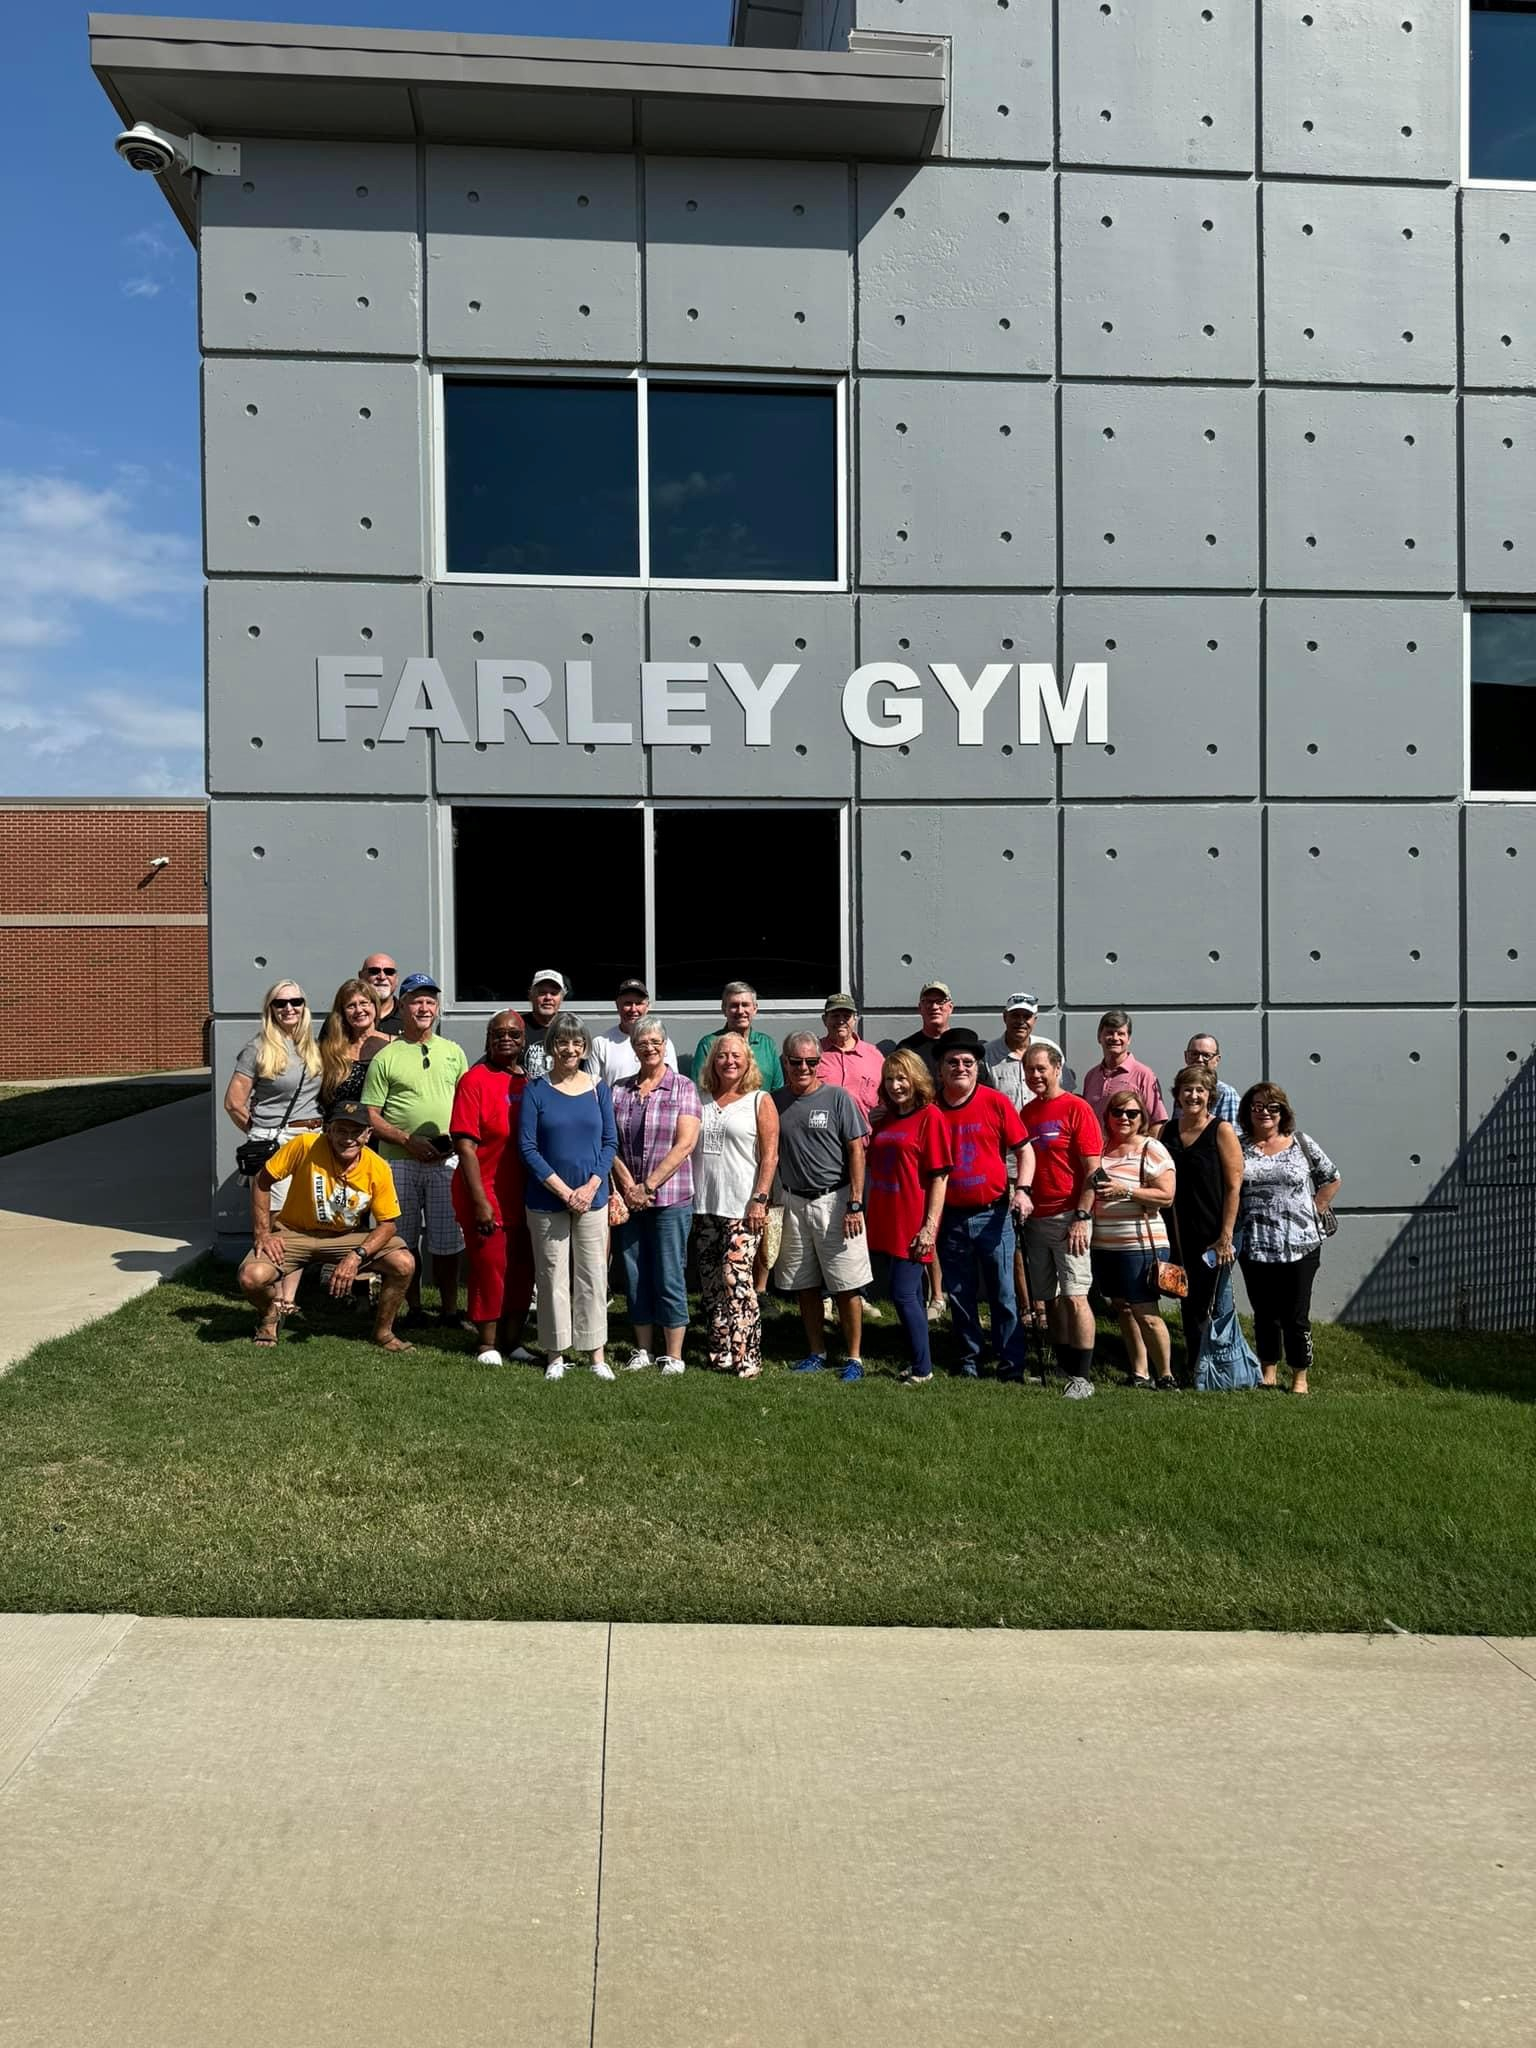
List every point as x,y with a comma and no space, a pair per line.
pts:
426,1206
815,1252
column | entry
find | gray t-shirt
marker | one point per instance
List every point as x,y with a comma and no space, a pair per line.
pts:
814,1131
270,1099
1007,1074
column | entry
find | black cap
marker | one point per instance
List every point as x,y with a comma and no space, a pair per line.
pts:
350,1111
633,986
961,1038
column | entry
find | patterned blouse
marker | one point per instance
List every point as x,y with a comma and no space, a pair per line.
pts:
1277,1215
648,1130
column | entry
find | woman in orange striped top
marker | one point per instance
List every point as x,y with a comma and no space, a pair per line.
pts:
1135,1185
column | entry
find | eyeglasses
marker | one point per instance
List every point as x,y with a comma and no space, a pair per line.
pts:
958,1060
287,1002
1265,1108
1133,1114
791,1061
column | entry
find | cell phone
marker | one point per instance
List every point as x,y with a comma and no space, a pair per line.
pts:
1101,1179
442,1143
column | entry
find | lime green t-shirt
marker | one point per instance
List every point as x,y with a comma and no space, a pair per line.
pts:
413,1087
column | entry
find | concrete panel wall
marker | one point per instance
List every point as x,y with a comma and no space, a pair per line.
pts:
1164,82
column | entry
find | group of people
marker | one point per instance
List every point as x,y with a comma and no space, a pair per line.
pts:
946,1172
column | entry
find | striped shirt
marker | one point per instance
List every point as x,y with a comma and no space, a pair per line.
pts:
647,1126
1127,1226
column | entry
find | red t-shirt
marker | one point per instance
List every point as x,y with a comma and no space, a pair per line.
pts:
1064,1133
982,1131
487,1107
903,1154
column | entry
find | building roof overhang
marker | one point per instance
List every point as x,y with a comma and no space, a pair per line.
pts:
230,79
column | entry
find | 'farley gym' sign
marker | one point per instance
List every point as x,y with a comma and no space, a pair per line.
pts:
882,702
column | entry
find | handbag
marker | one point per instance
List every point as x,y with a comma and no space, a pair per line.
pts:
1227,1363
1172,1279
618,1210
253,1155
1327,1222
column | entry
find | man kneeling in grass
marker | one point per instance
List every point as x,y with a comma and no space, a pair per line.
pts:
339,1211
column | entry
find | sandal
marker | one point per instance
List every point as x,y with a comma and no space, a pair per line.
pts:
392,1344
267,1339
749,1372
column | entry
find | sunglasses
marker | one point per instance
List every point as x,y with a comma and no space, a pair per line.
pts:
1266,1108
425,1061
1132,1115
287,1002
791,1061
380,973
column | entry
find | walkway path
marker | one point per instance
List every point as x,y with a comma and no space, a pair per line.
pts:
309,1834
89,1221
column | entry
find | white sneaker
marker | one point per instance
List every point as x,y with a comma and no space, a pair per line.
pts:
555,1370
600,1371
638,1361
521,1356
873,1312
1077,1390
672,1366
489,1356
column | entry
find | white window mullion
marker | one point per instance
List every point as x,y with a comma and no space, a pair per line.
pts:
643,443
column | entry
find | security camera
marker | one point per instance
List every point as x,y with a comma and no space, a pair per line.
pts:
143,147
161,860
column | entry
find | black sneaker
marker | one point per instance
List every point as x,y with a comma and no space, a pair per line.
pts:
1168,1384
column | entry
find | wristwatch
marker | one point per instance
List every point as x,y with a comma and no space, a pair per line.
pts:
757,1198
854,1208
1081,1215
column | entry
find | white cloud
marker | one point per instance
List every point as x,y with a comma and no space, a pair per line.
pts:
64,545
143,721
160,779
140,288
155,264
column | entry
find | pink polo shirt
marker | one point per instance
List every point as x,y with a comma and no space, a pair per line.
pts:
857,1070
1099,1082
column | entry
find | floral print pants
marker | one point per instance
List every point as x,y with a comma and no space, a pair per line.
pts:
724,1249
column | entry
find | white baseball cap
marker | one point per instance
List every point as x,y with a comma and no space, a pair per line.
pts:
1021,1002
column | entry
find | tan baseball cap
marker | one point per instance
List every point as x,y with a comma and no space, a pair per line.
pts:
936,988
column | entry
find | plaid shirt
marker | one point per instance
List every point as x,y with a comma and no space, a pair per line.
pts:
648,1129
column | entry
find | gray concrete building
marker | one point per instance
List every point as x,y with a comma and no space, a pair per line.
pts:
657,501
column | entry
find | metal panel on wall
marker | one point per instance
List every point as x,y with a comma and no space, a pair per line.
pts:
1364,904
970,632
748,262
1126,867
955,269
1160,486
1358,89
1359,284
1183,696
1163,83
1500,1148
532,255
1361,490
957,482
1364,697
309,889
1159,277
1499,490
999,71
967,893
313,468
1498,288
1501,902
1379,1090
811,754
312,249
547,627
263,642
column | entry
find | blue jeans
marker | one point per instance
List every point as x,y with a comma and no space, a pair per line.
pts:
976,1252
653,1249
902,1281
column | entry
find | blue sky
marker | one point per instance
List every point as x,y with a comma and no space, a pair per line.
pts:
100,529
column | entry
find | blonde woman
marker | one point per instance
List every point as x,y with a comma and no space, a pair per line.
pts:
274,1092
348,1042
733,1169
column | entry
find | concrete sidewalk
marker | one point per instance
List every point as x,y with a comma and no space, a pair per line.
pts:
87,1222
309,1833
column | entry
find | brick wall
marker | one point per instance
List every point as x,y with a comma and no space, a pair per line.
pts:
103,959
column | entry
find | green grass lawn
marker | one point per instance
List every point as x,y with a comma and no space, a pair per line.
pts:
32,1116
158,1462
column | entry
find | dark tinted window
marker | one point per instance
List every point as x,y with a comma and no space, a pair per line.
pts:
542,478
511,916
1504,701
743,484
1501,140
716,921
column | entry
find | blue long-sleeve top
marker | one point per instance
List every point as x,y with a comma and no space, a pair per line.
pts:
571,1135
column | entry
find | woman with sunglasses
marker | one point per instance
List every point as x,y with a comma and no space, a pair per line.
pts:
1208,1183
1289,1186
274,1092
905,1175
488,1192
1134,1185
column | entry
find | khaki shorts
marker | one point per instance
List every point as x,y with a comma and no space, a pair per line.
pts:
1053,1270
815,1252
303,1247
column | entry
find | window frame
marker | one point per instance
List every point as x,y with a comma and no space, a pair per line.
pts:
1469,794
1467,180
642,379
661,1002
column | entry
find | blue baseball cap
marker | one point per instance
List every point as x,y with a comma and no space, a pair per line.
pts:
418,985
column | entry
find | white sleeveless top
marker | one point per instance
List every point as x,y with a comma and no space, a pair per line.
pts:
725,1158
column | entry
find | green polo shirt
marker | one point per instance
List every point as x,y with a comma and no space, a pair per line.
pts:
764,1051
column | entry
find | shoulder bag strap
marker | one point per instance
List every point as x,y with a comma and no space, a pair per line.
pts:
1172,1220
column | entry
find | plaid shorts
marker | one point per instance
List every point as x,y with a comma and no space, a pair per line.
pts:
426,1202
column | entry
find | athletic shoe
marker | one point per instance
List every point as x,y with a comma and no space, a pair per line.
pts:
852,1370
555,1370
873,1312
1168,1384
1077,1390
671,1367
812,1364
521,1356
489,1356
638,1361
916,1379
600,1371
970,1370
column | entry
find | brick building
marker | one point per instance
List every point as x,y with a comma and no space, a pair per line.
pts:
103,953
